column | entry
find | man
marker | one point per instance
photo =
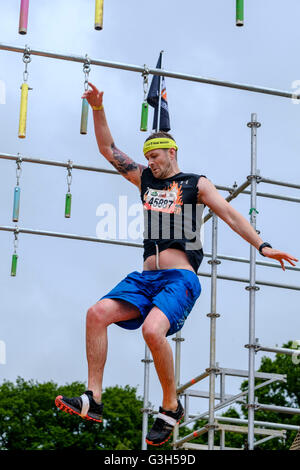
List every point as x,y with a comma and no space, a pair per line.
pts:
161,297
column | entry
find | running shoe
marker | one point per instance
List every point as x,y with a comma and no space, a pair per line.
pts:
164,425
84,406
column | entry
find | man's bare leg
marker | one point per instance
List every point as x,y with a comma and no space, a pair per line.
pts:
99,317
155,328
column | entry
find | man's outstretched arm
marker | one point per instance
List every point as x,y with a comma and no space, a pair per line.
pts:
123,163
208,194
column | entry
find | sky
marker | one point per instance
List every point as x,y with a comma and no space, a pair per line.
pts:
43,308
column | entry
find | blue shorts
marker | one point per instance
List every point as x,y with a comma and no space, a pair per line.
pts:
173,291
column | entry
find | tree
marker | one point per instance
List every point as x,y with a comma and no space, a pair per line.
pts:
31,421
278,393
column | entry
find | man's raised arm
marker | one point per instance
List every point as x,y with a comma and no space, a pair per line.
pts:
208,194
124,165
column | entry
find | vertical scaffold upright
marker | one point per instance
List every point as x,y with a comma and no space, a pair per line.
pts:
252,287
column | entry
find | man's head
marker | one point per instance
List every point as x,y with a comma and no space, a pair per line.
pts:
160,150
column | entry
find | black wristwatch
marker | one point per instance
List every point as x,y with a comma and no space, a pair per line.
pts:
263,245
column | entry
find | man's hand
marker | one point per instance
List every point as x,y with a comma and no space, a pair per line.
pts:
279,256
93,96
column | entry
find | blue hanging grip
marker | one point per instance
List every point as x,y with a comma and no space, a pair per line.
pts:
16,208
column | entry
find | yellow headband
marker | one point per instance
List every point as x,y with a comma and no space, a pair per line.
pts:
159,143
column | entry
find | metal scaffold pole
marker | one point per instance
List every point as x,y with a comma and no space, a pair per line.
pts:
146,409
178,339
213,316
252,287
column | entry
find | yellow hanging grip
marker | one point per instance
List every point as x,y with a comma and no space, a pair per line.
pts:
99,14
23,110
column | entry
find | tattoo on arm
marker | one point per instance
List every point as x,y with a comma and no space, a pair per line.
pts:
122,163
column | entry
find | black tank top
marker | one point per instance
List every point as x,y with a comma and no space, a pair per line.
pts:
172,217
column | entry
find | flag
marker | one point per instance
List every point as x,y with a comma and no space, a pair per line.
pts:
153,100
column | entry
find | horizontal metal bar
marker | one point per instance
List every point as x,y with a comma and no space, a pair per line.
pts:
159,72
228,372
204,394
244,430
274,196
204,429
288,427
124,243
287,351
265,439
192,382
267,195
227,402
70,236
193,446
245,260
279,183
245,373
261,283
7,156
278,409
227,419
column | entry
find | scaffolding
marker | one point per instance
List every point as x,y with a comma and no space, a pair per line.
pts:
253,346
270,430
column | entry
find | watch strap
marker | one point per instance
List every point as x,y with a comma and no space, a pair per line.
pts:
263,245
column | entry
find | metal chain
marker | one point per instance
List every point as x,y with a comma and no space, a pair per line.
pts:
69,175
145,76
16,241
26,60
18,169
86,71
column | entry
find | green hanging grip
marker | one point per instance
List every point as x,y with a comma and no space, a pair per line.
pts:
144,116
68,205
14,264
240,12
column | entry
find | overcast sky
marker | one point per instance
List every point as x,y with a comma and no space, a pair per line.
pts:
43,308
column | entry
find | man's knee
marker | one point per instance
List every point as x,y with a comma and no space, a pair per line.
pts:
98,314
153,334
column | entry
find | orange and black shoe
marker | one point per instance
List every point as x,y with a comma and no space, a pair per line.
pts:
84,406
164,425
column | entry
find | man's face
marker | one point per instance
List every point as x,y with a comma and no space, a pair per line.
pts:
160,161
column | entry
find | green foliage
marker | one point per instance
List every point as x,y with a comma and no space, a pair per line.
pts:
31,421
278,394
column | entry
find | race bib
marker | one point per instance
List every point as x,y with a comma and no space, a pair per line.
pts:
164,200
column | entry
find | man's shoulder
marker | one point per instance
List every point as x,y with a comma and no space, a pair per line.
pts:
195,176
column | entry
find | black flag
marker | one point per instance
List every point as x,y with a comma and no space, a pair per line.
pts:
153,100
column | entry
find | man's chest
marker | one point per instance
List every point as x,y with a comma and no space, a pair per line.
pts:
170,197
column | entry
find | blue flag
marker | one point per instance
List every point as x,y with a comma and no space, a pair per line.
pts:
153,100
